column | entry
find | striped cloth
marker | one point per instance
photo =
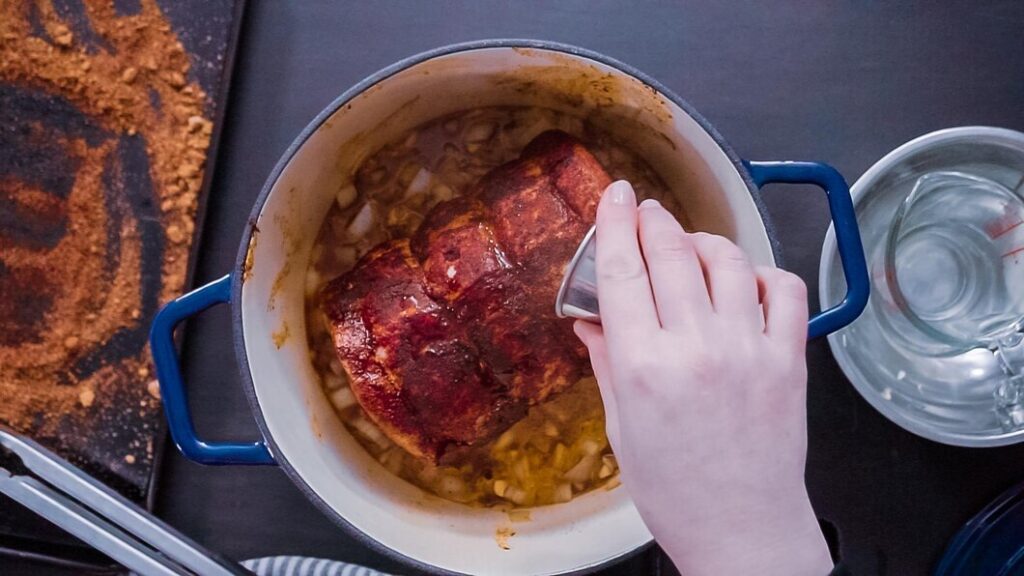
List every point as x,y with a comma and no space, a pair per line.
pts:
303,566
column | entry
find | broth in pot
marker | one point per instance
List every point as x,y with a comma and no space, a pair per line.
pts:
560,449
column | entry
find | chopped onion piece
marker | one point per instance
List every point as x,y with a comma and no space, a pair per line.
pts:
563,493
370,431
312,281
346,196
522,469
480,132
404,218
408,172
504,440
583,469
362,222
442,192
452,486
558,460
500,486
590,447
429,473
336,366
515,495
332,382
420,182
343,398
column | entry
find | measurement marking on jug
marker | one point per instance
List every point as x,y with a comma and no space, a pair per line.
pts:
1014,252
1007,229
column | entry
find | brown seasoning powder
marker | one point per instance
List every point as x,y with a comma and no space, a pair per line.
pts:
115,87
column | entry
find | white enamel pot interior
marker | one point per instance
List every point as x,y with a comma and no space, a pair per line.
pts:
305,435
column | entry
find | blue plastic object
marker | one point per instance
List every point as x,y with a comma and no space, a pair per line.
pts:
172,388
991,543
851,251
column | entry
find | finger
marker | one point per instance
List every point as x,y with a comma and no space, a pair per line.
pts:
623,289
784,302
677,281
593,338
731,280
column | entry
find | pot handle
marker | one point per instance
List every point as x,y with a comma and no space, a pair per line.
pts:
851,251
172,388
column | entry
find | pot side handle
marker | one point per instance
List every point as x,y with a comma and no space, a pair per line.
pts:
851,251
172,388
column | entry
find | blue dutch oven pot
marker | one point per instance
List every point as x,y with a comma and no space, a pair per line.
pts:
300,431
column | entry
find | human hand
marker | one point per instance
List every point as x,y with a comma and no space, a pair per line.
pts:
701,363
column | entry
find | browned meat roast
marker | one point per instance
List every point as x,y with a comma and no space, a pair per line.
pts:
449,336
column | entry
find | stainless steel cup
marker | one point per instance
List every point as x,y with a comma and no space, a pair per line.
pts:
577,296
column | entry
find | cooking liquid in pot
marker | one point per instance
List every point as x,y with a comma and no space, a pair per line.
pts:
559,449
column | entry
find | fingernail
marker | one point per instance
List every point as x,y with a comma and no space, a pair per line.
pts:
621,193
650,203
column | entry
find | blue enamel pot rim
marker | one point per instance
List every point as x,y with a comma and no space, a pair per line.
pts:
312,127
229,289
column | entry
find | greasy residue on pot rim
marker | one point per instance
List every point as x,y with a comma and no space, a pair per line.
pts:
250,253
281,335
292,243
576,83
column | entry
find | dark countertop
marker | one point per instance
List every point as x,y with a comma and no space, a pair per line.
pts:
840,82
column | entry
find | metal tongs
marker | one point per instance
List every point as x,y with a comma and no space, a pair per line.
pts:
51,487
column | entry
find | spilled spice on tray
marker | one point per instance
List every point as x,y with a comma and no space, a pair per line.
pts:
107,139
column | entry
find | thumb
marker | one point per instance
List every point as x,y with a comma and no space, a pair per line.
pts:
592,337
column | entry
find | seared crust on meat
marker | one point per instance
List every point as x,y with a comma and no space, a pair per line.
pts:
450,335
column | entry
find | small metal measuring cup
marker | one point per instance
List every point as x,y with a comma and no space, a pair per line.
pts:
577,296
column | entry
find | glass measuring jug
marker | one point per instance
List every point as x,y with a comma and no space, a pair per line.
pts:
954,270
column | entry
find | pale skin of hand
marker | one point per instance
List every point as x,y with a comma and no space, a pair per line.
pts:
700,358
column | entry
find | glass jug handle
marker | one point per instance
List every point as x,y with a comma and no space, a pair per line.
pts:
1010,394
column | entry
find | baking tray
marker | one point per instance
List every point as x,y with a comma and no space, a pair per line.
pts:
209,33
